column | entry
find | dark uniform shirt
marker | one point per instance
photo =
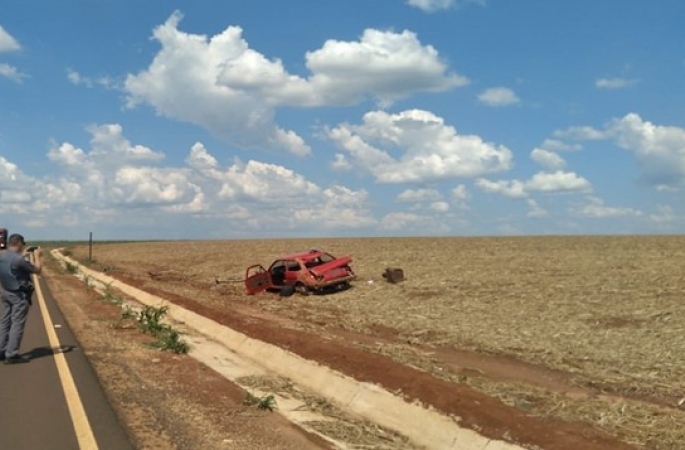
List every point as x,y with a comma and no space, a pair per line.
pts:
15,271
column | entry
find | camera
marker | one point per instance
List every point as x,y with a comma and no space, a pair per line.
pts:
31,249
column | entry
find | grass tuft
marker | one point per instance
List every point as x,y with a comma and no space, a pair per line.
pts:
149,321
71,268
266,402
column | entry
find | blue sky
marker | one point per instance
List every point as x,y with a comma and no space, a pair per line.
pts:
236,119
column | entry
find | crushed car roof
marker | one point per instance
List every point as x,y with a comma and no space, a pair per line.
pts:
305,256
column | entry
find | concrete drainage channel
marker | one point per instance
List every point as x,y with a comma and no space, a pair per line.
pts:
246,361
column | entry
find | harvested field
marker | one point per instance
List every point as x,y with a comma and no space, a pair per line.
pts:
580,329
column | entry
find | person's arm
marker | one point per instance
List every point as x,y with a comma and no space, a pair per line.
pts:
37,260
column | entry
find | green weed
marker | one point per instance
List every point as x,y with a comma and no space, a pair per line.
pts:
71,267
110,297
129,313
149,321
266,402
170,340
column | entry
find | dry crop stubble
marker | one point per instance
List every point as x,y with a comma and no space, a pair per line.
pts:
607,310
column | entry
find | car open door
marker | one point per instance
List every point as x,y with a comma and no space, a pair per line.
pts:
256,279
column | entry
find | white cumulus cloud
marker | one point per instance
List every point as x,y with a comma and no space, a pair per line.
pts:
108,146
232,90
340,163
269,194
77,79
595,208
419,195
439,207
545,182
553,145
126,184
658,149
430,149
382,64
508,188
583,133
534,209
424,199
614,83
663,214
431,6
460,196
152,186
9,44
498,96
11,72
547,159
461,193
558,181
408,222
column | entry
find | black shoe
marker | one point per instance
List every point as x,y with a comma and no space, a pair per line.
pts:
2,356
16,359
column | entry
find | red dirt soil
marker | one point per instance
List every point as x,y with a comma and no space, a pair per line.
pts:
487,415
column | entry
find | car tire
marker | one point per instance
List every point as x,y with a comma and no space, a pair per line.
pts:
287,291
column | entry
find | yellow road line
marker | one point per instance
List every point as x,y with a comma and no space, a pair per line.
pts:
84,433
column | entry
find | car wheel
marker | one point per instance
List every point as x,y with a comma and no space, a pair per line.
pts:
287,291
301,289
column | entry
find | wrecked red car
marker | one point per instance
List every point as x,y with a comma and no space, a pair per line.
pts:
306,272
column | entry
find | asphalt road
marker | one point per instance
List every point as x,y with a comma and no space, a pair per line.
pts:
55,401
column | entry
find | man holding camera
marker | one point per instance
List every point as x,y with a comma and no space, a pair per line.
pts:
16,269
